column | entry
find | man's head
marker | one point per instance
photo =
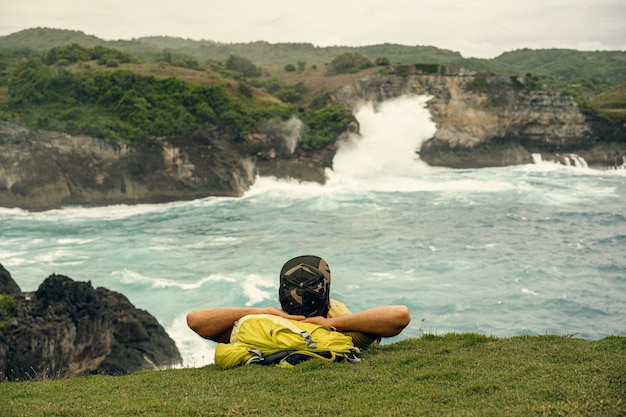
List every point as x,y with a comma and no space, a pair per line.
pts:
305,286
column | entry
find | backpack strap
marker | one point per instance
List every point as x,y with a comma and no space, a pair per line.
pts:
308,339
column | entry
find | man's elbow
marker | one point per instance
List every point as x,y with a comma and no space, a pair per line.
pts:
193,321
402,318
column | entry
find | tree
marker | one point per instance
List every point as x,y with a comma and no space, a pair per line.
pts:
349,63
242,66
382,61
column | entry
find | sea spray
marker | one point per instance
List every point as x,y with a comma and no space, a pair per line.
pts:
391,134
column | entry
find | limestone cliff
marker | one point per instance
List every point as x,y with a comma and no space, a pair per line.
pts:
488,120
482,120
43,170
68,328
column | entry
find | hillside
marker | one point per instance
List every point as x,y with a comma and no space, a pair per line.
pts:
451,375
589,73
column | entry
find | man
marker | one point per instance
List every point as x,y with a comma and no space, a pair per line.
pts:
304,296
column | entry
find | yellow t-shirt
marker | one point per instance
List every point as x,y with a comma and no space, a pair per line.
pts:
360,340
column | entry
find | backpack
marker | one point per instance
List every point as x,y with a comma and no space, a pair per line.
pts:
266,339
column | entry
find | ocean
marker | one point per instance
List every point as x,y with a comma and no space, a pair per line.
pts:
521,250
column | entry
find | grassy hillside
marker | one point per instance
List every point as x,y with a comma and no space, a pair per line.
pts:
612,103
156,86
451,375
593,72
103,92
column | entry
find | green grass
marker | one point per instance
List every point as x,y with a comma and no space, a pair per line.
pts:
451,375
612,103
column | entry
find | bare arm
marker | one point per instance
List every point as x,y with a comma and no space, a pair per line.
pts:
383,321
217,323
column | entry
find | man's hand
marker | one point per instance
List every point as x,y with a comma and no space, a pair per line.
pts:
319,320
276,312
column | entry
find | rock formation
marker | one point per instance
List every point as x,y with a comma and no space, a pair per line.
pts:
43,170
68,328
489,120
482,120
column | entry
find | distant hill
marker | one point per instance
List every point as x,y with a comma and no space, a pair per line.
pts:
44,38
586,73
594,78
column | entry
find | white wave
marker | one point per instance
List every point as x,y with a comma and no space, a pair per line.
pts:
13,260
111,212
9,255
73,241
195,351
391,134
252,289
286,187
129,277
528,292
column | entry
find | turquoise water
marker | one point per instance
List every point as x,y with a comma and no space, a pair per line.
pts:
532,249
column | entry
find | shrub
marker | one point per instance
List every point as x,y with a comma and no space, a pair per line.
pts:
349,63
8,306
322,126
382,61
242,65
427,68
290,68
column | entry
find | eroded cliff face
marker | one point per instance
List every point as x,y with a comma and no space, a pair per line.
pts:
484,120
43,170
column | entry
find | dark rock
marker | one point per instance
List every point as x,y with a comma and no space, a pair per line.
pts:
67,328
7,285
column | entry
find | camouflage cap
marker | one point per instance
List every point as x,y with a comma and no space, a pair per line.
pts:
305,286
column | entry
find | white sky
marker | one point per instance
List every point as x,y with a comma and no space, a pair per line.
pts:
476,28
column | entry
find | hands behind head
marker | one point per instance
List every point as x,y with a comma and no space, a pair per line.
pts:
276,312
319,320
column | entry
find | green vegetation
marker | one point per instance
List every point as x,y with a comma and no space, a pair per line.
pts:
125,105
8,306
242,65
70,54
349,63
612,103
451,375
157,86
322,126
428,68
8,309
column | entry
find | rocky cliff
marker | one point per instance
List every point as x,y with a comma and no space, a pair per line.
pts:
42,170
68,328
489,120
482,120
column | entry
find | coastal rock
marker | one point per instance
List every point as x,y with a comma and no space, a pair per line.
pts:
67,328
490,120
7,285
42,170
481,120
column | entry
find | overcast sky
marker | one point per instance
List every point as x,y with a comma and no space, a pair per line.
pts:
476,28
